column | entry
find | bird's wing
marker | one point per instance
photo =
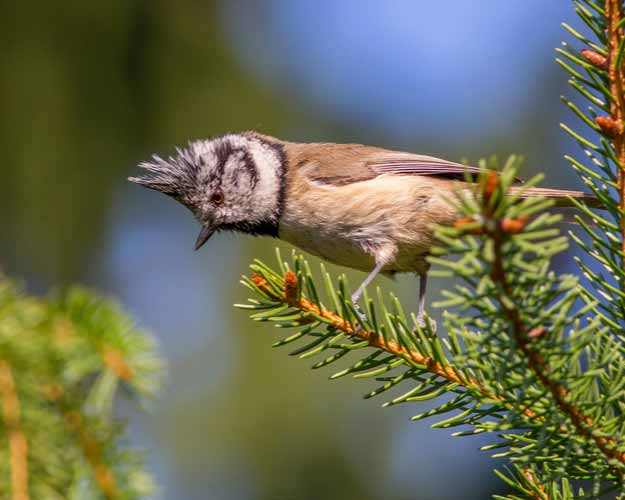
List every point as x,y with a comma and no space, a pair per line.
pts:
334,165
348,163
424,165
341,164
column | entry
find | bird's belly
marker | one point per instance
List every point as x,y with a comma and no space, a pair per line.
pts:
333,247
356,247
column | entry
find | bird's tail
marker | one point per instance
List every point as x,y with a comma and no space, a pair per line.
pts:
562,197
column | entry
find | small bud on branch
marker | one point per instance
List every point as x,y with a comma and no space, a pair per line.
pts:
469,225
290,288
595,59
536,333
610,126
259,281
514,226
490,186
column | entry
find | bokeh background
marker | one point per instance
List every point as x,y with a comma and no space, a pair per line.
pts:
89,89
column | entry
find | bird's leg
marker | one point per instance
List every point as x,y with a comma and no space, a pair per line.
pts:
422,271
423,283
356,295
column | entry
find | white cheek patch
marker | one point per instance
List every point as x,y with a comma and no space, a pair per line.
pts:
264,199
269,173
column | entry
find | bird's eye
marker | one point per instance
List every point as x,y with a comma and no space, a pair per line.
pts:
217,198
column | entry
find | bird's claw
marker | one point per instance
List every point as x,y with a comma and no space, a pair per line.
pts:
426,323
361,316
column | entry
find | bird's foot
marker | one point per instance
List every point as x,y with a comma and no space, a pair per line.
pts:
425,323
361,316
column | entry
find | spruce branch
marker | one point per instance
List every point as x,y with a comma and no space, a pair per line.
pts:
372,338
518,355
543,342
524,481
445,370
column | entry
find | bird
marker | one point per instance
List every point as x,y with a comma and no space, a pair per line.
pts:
362,207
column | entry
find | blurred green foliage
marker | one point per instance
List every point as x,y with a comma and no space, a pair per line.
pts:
63,360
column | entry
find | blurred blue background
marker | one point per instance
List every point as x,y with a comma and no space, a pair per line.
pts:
89,89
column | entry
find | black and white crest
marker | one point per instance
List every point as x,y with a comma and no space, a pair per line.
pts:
175,176
231,182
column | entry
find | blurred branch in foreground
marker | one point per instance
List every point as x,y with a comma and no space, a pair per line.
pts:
63,360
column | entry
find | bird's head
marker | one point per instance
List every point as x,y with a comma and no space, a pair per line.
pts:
234,182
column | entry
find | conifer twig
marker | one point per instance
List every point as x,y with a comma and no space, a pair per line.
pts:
304,305
18,446
614,14
374,340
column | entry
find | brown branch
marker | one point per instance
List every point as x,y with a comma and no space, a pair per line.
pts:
614,14
18,446
337,322
446,372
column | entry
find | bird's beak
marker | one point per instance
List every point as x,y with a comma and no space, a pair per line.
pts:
206,232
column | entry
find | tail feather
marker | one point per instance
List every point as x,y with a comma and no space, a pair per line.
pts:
562,197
